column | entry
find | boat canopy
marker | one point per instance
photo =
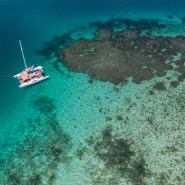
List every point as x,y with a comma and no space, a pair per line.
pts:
33,71
24,76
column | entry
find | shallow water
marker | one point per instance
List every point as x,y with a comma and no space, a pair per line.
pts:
65,130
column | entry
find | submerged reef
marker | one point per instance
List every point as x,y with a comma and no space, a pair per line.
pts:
35,161
44,104
120,160
44,146
132,52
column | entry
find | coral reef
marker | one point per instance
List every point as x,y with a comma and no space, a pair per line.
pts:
115,56
160,86
45,146
35,161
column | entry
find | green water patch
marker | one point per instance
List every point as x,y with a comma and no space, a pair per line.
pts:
174,83
35,161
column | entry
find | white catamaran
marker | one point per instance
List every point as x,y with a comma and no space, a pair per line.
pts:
30,75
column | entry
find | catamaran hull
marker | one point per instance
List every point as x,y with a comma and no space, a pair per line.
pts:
33,81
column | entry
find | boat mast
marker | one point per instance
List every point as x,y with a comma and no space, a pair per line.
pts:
23,54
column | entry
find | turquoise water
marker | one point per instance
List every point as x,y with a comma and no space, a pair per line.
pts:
56,132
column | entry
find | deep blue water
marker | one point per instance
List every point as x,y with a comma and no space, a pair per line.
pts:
37,22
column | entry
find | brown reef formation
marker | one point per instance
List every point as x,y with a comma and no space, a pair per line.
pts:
116,56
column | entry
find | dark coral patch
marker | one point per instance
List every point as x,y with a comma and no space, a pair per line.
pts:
151,92
95,57
115,60
35,161
160,86
125,55
44,104
119,157
119,118
115,56
174,83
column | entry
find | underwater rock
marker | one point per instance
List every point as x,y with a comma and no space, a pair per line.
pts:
125,55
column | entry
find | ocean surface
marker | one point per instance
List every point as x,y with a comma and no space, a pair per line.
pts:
69,131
